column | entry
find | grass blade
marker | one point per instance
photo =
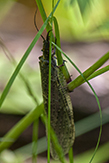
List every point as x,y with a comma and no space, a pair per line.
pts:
22,61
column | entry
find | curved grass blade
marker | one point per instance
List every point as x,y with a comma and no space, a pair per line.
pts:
22,61
94,95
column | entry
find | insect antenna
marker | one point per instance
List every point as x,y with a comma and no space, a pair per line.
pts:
35,23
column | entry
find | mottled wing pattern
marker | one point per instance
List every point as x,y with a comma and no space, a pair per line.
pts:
61,108
61,113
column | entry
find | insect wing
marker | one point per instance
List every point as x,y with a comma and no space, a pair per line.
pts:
61,113
61,107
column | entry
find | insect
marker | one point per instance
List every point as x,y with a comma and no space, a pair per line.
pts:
62,121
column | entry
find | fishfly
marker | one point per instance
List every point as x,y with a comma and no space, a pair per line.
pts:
62,121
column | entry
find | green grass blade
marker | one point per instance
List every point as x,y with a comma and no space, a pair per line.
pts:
16,131
79,80
55,141
26,150
19,66
49,99
99,72
71,155
25,80
94,95
35,140
102,155
82,126
22,61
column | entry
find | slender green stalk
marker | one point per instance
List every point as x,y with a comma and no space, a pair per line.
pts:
55,141
49,98
35,139
71,155
43,14
99,72
58,53
14,133
20,64
49,89
79,80
26,82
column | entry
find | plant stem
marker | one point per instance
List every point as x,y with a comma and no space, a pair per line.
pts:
99,72
71,155
35,140
58,53
43,14
14,133
49,99
79,80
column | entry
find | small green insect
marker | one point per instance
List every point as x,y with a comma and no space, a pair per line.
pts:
62,120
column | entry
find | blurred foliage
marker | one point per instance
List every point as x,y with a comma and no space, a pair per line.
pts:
82,4
5,6
79,20
18,100
22,154
82,126
100,156
7,156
